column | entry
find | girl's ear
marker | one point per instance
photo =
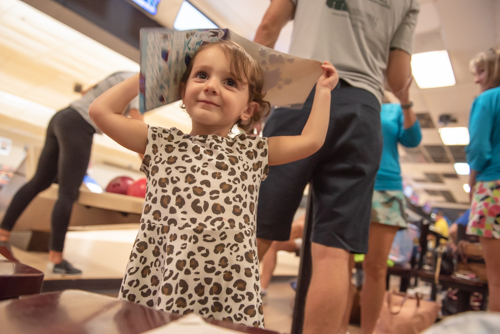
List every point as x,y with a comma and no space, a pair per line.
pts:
252,108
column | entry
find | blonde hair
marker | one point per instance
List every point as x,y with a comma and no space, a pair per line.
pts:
243,68
490,62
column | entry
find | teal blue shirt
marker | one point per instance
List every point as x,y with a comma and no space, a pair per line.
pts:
393,131
483,151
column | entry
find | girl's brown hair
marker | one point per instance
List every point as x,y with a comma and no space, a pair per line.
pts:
243,68
489,61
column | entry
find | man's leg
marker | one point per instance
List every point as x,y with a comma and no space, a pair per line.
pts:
342,188
327,296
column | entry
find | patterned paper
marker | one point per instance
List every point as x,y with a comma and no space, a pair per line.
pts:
165,54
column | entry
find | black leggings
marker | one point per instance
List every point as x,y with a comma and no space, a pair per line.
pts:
65,155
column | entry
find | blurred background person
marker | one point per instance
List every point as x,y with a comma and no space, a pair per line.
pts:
483,156
65,156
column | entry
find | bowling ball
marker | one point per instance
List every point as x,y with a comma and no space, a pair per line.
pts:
119,185
138,188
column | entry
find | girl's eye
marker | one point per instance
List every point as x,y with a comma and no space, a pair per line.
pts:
201,75
231,82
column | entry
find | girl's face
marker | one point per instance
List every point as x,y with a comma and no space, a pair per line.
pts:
480,77
213,98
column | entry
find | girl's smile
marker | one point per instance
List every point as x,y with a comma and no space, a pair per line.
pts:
209,103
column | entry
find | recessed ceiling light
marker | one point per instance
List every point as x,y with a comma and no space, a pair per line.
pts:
454,136
466,188
432,69
462,168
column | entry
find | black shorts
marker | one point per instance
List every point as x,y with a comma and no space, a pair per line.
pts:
342,173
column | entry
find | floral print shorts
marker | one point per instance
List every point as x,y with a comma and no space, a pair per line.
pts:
484,219
388,208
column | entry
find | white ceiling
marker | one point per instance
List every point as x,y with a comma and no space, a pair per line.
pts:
41,60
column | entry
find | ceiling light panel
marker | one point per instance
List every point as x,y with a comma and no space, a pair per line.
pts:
454,135
458,153
28,111
432,69
38,51
462,168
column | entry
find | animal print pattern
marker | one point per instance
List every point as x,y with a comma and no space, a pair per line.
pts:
196,247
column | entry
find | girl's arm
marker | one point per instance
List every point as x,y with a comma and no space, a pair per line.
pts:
106,112
284,149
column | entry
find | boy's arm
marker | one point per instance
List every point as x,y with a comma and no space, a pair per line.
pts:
106,112
284,149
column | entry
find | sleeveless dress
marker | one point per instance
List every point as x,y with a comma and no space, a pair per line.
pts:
196,247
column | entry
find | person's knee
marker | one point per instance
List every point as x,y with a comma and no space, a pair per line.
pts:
68,195
331,254
40,183
375,269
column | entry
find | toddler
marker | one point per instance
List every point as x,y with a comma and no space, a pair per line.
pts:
196,247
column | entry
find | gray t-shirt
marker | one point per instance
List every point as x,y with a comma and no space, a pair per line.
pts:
355,36
82,105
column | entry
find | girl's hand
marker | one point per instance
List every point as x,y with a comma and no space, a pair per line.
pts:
329,79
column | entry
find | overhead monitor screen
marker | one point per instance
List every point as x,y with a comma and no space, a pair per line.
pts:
189,17
150,6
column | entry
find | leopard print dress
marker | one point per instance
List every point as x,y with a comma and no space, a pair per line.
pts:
196,247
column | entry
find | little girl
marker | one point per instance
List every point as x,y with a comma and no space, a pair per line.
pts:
196,247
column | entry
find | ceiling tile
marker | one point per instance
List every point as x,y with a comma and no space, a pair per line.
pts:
437,153
458,153
425,120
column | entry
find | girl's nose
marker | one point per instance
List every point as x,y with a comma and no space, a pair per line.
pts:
211,87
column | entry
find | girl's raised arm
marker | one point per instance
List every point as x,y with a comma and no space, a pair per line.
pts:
284,149
106,112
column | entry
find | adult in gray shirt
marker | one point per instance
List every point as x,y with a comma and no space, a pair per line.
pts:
65,156
363,39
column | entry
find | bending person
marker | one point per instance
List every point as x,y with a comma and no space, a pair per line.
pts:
399,125
65,156
483,156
